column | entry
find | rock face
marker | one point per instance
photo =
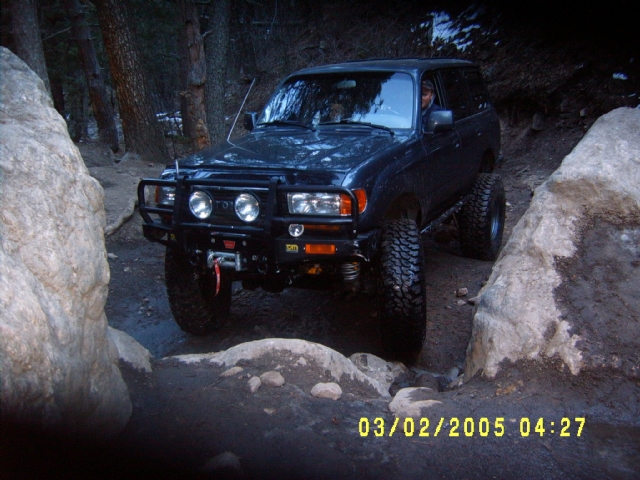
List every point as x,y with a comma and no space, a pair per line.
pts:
517,316
59,370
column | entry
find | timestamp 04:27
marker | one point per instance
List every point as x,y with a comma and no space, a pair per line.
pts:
469,427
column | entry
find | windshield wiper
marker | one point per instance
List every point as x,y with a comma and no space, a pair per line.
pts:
286,123
366,124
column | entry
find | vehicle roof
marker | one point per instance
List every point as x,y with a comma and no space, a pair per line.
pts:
408,65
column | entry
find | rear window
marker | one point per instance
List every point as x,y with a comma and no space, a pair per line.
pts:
477,91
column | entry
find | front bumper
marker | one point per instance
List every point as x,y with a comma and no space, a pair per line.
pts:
263,246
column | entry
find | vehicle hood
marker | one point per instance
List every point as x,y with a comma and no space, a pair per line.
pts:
336,151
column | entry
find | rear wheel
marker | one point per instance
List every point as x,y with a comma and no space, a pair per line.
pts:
192,295
482,219
402,302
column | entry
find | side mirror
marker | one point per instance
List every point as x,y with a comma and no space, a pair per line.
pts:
250,120
439,121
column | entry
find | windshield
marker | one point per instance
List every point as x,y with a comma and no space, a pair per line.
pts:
377,98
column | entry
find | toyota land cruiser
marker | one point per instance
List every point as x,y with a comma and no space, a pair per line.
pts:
337,179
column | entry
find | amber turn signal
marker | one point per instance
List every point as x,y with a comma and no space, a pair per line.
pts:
345,202
320,249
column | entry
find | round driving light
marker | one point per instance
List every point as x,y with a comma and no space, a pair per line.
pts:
200,204
247,207
295,229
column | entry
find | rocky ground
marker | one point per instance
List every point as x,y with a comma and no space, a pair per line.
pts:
186,414
187,417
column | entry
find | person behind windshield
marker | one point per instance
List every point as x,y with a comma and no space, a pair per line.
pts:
428,105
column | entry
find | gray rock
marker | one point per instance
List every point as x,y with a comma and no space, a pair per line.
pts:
325,357
517,307
409,402
375,367
272,379
59,368
427,380
327,390
226,465
231,372
130,351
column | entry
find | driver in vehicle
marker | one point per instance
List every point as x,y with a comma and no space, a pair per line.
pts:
428,96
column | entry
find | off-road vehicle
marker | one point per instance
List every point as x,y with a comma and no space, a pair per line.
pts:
337,179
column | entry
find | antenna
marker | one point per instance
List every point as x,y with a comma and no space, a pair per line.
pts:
240,109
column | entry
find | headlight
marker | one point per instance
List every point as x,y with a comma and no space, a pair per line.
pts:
247,207
325,203
165,195
200,204
314,203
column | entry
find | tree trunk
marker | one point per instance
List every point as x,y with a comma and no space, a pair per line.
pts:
196,118
142,132
26,37
217,44
183,65
95,82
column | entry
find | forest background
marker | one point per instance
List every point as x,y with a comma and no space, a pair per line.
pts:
161,78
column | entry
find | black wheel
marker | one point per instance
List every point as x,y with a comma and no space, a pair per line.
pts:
192,295
402,305
482,219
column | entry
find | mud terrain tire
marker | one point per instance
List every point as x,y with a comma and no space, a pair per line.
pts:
191,291
482,219
402,305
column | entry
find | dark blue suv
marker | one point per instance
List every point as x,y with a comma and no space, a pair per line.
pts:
340,174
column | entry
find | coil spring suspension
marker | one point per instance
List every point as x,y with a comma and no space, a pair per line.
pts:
350,271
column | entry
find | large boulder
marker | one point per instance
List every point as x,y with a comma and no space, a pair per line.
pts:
517,315
59,370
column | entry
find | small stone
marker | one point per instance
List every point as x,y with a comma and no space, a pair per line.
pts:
456,383
272,379
112,256
461,292
254,384
452,374
461,303
327,390
270,411
127,269
302,362
538,122
231,372
473,301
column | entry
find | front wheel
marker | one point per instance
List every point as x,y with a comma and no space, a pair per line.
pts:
192,294
402,305
482,219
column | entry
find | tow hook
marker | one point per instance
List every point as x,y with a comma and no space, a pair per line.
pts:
216,270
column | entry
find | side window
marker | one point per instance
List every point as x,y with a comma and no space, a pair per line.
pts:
477,91
457,98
